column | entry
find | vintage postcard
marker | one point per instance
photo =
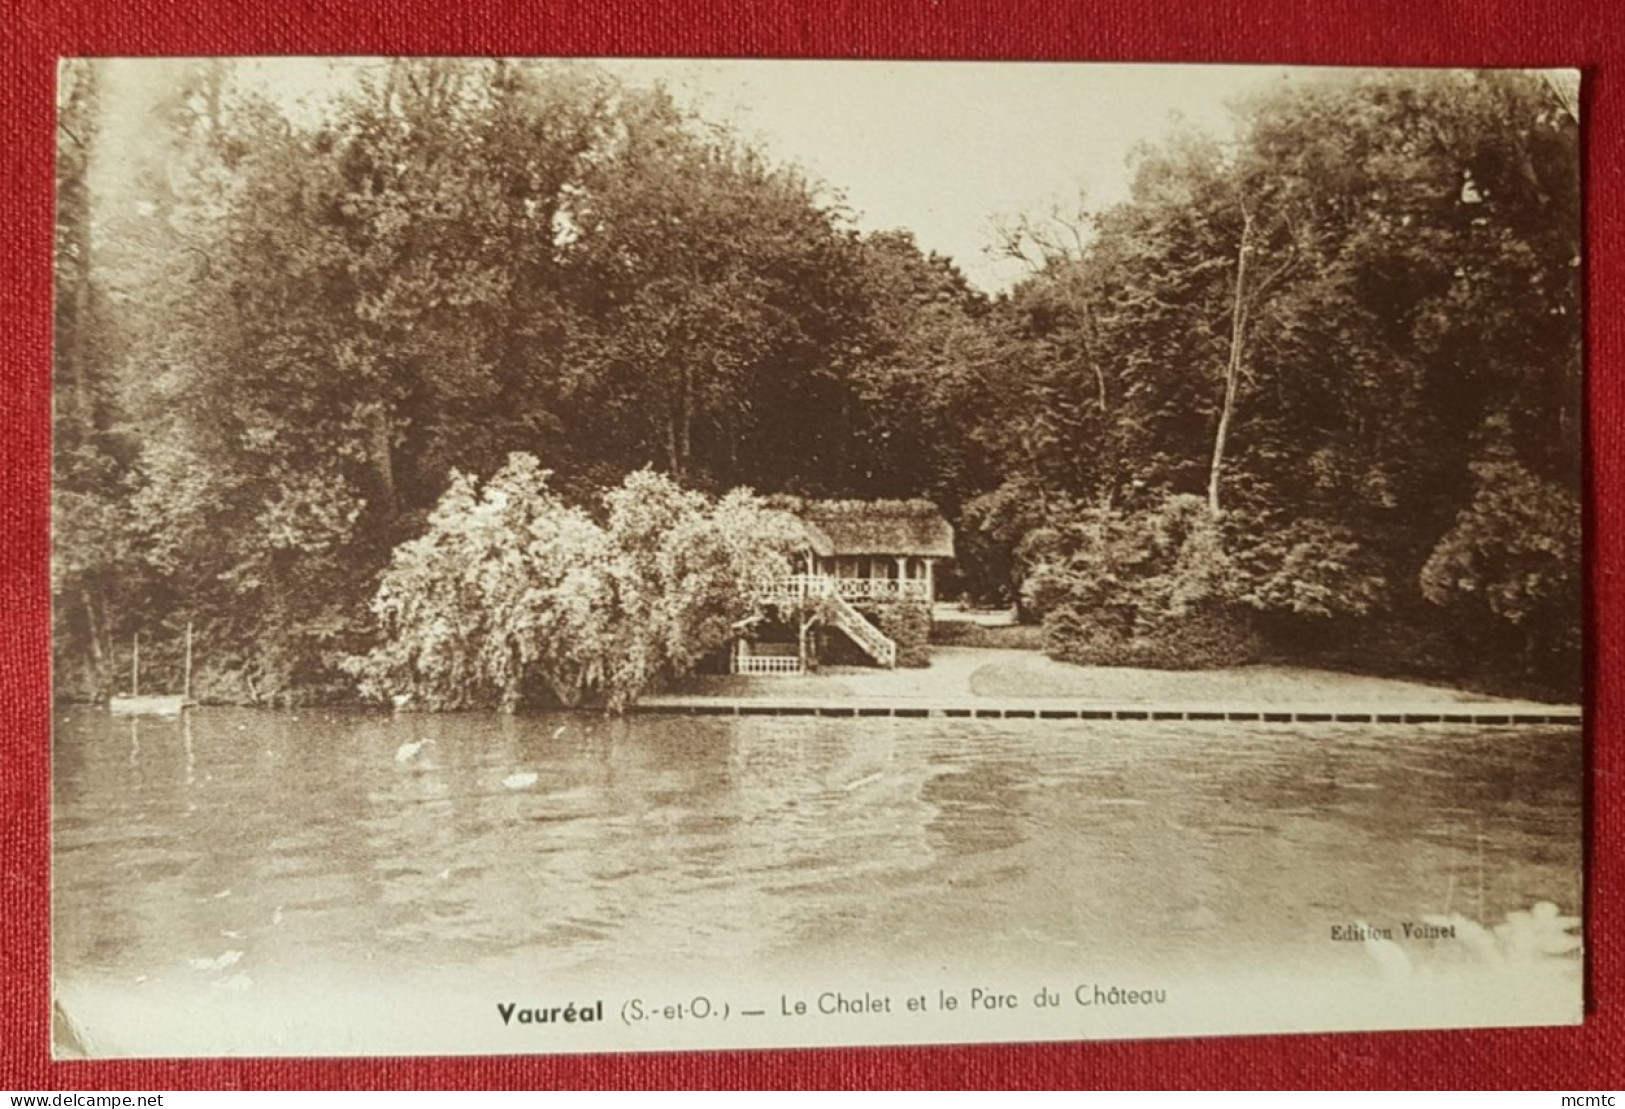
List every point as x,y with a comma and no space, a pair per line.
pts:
581,556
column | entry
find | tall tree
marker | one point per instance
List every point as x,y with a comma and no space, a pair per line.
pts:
699,270
86,562
1335,328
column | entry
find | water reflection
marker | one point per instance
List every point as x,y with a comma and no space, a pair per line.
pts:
301,841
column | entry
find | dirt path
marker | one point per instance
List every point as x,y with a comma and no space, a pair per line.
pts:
957,674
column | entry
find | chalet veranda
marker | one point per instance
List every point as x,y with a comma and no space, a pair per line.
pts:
861,591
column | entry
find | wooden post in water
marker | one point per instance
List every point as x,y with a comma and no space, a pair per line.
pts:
135,665
186,682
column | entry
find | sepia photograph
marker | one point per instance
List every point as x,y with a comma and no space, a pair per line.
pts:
614,555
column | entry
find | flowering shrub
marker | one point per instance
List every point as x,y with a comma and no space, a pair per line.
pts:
512,597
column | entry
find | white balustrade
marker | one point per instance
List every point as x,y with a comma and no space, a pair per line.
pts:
797,588
880,589
768,664
802,586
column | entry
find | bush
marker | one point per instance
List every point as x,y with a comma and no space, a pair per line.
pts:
964,633
1152,589
1511,565
1202,638
1175,586
1304,567
908,624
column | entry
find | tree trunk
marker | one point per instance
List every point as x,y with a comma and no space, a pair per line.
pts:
677,426
686,424
98,658
1081,299
672,461
78,346
1232,371
383,462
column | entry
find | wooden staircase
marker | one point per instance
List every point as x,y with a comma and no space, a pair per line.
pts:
874,642
870,639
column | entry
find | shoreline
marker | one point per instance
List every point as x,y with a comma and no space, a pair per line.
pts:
1518,714
1020,683
1014,683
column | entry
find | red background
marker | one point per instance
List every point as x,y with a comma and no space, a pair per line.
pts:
1585,33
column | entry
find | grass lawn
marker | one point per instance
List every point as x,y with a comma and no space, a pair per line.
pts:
1030,674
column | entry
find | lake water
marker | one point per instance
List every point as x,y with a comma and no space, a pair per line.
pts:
239,867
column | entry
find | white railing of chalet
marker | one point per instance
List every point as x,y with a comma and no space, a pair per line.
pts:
798,586
768,664
880,589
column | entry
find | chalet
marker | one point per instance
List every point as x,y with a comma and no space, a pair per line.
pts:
863,562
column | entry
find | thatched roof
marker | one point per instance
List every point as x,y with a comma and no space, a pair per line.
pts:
891,528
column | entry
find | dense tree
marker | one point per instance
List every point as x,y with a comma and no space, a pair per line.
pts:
713,291
364,291
1331,330
1315,384
90,555
925,363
